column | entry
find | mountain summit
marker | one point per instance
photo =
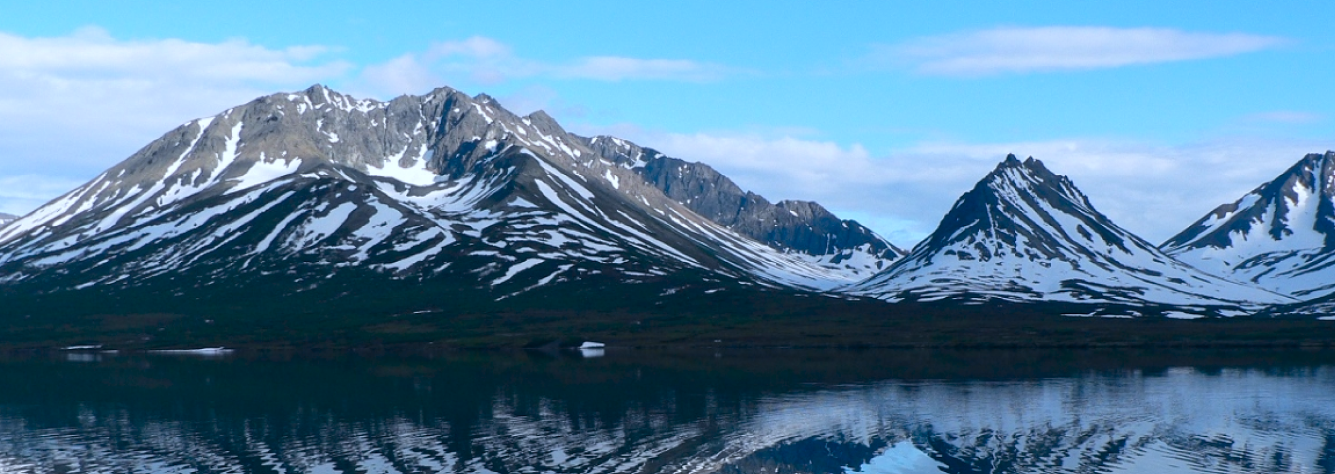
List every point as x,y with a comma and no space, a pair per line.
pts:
1025,234
1280,236
305,187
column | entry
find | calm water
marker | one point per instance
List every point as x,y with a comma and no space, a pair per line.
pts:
730,412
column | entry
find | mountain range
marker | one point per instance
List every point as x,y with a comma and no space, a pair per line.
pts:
421,187
444,200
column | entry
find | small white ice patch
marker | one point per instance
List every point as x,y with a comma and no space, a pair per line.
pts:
516,268
263,171
82,348
416,175
206,352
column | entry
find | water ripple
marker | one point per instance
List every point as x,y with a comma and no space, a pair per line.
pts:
1179,420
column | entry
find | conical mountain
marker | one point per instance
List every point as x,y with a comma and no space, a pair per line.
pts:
1025,234
1280,236
297,189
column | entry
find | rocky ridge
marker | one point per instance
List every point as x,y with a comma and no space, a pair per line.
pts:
801,227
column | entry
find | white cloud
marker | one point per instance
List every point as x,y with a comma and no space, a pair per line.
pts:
476,46
1286,117
532,98
91,54
402,75
23,193
73,105
91,85
487,62
1059,48
614,68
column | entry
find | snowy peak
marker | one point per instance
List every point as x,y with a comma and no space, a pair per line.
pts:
1024,210
6,218
417,140
243,147
433,186
1281,235
1289,207
1024,233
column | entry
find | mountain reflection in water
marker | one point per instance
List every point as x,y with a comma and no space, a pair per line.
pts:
743,412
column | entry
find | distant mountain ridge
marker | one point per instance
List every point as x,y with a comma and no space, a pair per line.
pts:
804,227
1025,234
441,186
6,218
293,191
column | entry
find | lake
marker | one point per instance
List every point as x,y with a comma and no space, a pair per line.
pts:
726,411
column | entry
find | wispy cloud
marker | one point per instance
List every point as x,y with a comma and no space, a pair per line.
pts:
405,74
486,61
91,54
23,193
1064,48
72,105
92,85
476,47
1286,117
615,68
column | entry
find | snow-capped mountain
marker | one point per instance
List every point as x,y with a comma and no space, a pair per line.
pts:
1025,234
1280,236
316,183
6,218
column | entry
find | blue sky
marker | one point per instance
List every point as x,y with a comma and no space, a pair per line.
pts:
882,111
